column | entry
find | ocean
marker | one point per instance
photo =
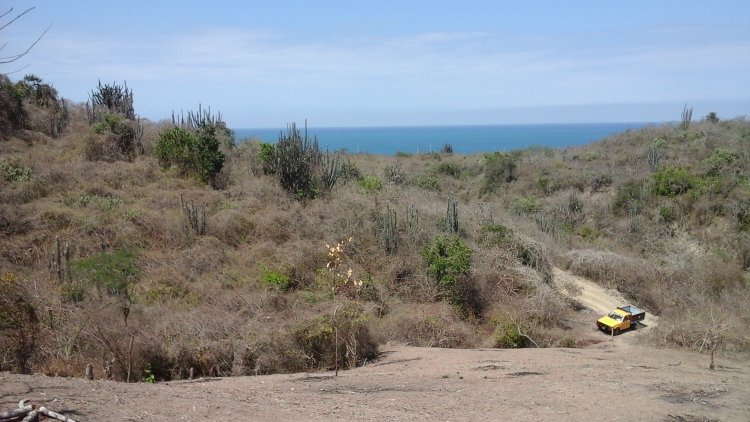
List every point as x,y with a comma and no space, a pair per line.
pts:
463,139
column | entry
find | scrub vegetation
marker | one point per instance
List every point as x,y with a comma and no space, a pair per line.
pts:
154,250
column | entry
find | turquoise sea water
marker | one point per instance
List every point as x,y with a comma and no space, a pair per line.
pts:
464,139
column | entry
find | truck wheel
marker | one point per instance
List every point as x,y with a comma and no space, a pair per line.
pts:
617,331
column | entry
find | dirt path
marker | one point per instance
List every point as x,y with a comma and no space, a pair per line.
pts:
595,297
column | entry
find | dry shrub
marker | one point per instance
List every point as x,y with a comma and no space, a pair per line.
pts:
104,147
425,325
205,257
230,226
18,326
637,279
703,324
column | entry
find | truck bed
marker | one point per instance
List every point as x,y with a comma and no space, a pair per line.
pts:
638,314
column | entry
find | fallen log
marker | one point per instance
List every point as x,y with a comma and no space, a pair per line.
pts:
16,414
50,414
27,413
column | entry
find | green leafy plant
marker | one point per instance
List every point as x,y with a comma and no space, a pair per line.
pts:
718,160
13,171
427,183
277,279
371,184
195,153
672,181
449,169
148,375
508,336
111,272
630,197
525,205
495,234
499,168
447,258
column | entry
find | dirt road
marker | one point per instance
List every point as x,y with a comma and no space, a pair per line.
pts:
596,298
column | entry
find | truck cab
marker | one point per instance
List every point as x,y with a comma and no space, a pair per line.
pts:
621,319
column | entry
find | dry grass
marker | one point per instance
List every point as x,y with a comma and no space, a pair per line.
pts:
206,301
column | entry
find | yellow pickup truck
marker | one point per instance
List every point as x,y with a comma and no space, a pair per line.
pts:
621,319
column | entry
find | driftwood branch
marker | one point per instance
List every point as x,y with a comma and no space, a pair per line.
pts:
27,413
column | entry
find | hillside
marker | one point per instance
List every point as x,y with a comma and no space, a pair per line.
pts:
127,256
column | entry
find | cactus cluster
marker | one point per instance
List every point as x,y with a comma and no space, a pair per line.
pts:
110,99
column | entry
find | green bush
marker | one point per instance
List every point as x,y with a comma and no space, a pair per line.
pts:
277,279
629,198
12,113
13,171
112,272
371,184
350,171
499,168
175,148
495,234
719,160
427,183
672,181
195,153
508,336
525,205
265,156
449,169
208,154
667,214
447,258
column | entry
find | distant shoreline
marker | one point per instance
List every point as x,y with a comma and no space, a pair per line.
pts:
465,139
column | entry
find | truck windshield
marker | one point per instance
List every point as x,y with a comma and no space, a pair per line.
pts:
615,316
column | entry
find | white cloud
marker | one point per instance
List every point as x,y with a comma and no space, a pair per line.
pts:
263,72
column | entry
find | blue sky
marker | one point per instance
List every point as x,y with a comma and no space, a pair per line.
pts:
347,63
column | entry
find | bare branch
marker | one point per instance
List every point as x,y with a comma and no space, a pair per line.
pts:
16,18
11,59
6,13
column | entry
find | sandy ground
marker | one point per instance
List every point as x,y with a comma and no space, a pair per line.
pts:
620,379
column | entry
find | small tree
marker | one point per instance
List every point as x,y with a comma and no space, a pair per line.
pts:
193,147
499,168
447,258
711,117
209,157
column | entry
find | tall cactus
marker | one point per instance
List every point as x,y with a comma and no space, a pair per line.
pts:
195,216
390,232
451,219
330,170
412,218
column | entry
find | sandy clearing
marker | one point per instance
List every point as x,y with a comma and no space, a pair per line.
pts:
611,381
